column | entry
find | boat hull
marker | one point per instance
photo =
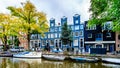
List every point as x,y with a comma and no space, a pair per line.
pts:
53,57
83,59
111,60
29,55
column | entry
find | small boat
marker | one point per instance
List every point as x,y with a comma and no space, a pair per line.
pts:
6,54
111,60
84,59
28,55
54,57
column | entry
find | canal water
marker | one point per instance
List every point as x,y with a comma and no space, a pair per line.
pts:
42,63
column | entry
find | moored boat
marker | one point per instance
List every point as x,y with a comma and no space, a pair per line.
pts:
54,57
111,60
28,55
6,54
84,59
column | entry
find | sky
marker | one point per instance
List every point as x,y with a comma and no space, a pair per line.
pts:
54,8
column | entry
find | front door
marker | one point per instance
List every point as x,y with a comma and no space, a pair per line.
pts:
111,48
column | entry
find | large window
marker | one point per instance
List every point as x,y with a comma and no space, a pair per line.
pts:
76,42
89,35
51,42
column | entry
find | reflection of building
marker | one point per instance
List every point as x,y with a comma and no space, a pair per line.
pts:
55,33
99,37
117,41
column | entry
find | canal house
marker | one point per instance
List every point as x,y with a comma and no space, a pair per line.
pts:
53,36
98,36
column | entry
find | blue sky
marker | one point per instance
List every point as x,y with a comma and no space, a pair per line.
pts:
54,8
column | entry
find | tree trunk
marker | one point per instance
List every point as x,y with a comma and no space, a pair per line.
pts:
5,43
28,39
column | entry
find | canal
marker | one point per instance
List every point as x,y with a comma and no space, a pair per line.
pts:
41,63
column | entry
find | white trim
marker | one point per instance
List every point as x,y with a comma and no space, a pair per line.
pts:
100,42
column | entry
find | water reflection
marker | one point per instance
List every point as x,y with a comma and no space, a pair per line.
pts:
41,63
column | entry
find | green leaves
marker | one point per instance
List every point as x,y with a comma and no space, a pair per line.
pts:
105,10
66,34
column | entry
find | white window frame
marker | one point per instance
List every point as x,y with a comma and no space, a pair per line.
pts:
90,35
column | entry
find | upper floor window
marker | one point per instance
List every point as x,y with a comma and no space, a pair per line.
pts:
81,33
89,35
76,33
59,28
77,27
51,29
119,45
108,34
81,27
48,35
119,36
52,35
93,27
107,26
56,29
55,35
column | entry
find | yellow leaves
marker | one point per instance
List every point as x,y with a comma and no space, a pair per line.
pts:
29,6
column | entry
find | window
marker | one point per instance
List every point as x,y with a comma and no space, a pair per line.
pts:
81,26
81,33
56,29
76,34
75,42
107,26
59,28
51,29
119,45
76,27
108,34
51,42
119,37
55,35
48,35
59,34
52,24
93,27
76,21
52,35
89,35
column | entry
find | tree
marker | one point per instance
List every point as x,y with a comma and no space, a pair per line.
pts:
7,27
32,20
66,35
105,10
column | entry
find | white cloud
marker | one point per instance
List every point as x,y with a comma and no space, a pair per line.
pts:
54,8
